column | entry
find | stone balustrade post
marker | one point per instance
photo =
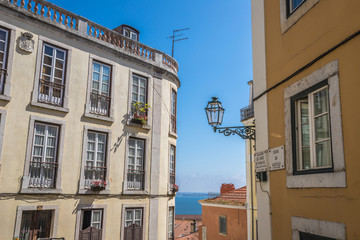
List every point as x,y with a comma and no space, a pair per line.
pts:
82,27
158,58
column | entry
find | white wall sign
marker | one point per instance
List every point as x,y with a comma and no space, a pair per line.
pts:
260,161
276,158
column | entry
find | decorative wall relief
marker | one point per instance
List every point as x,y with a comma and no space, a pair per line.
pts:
26,43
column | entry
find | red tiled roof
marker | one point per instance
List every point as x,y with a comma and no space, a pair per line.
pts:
235,197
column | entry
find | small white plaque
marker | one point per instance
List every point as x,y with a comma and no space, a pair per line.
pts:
260,161
276,158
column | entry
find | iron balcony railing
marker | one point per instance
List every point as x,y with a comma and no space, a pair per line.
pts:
247,112
51,92
93,173
99,104
42,174
135,179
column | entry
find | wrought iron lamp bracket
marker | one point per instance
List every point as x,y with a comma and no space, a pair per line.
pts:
245,132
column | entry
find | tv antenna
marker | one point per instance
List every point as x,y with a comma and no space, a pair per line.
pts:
176,40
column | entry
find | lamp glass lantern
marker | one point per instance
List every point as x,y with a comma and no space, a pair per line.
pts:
214,112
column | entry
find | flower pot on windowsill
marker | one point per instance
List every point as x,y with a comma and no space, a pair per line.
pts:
138,121
97,188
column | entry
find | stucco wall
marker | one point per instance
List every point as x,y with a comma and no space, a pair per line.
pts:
236,223
322,27
19,110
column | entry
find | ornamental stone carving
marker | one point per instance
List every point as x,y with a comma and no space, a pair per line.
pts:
26,43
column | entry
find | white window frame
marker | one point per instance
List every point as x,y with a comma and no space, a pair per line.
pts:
88,113
44,147
82,188
133,220
170,169
79,217
135,161
123,217
60,149
312,144
53,69
5,95
173,103
149,94
336,178
317,227
54,223
288,21
66,80
147,145
171,223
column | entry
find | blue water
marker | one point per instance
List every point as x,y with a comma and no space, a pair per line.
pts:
187,203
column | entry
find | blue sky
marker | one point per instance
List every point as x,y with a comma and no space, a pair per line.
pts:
215,61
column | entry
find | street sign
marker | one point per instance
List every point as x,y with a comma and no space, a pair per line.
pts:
276,158
260,161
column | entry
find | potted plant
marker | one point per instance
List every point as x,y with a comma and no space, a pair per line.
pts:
140,113
97,185
175,188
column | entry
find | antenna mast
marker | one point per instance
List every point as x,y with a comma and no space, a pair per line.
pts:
175,40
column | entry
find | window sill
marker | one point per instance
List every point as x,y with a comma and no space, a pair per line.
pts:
51,107
99,117
135,192
5,98
317,180
172,134
40,190
91,192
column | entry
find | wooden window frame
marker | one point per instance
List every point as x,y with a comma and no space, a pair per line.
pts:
148,98
38,73
173,117
336,177
109,117
296,129
6,85
82,188
29,149
221,232
135,157
79,217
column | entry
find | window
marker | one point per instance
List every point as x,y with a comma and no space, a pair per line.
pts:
293,5
35,224
171,224
95,166
314,229
100,89
4,41
91,226
138,96
52,76
172,165
133,223
135,165
312,129
173,111
130,34
308,236
222,225
43,164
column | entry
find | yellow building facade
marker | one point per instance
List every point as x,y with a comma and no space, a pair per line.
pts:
87,128
306,58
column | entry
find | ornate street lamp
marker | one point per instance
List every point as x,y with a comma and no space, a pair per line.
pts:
215,113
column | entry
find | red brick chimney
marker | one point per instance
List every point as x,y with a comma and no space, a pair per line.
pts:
226,187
